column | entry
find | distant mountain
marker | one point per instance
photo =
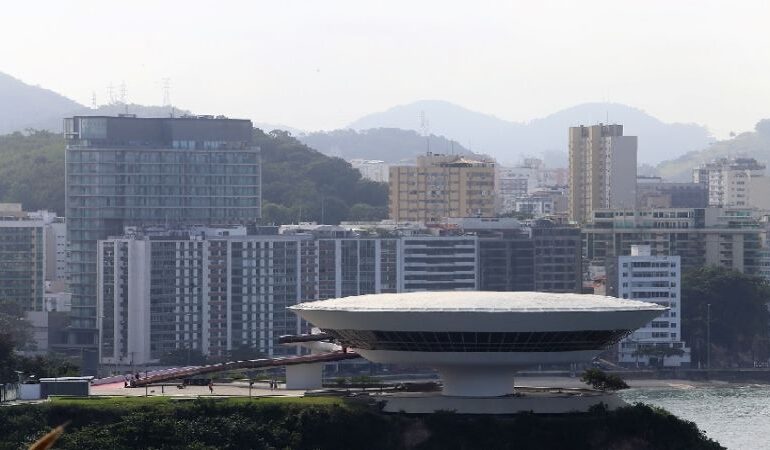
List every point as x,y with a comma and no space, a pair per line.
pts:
23,106
391,145
510,141
754,144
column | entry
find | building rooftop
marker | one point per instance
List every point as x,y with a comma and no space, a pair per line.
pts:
478,302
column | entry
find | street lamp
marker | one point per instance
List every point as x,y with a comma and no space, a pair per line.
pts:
708,336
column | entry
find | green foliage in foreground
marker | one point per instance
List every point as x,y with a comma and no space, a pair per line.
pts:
325,423
599,379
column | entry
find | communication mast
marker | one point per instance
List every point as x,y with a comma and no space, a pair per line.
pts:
166,87
111,93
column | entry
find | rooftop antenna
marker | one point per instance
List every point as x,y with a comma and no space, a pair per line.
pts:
93,100
166,86
123,96
111,93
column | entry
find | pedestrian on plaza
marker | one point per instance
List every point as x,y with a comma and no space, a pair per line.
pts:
211,386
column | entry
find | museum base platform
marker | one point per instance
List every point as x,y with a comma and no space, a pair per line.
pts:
525,400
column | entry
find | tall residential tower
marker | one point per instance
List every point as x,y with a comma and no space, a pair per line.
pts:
129,171
602,170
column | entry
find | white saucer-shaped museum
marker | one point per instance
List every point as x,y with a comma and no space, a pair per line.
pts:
478,340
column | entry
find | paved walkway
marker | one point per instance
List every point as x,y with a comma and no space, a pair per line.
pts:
237,389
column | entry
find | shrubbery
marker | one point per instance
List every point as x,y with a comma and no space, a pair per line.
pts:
238,424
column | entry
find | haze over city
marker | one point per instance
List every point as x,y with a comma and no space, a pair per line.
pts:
385,225
314,65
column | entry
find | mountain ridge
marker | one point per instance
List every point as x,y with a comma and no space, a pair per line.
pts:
509,141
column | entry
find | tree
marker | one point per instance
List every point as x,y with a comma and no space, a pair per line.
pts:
739,316
763,127
301,184
602,381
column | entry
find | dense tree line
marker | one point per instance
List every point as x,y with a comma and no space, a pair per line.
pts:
738,321
210,424
32,170
298,183
301,184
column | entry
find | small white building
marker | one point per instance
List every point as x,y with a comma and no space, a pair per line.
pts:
655,279
372,169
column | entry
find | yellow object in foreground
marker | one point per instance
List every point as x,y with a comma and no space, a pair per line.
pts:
49,439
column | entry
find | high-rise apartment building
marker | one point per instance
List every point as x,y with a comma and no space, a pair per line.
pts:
440,186
32,259
438,263
124,171
215,290
655,279
729,182
724,237
602,170
540,256
22,258
653,192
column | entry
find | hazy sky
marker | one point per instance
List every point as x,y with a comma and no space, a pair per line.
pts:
322,64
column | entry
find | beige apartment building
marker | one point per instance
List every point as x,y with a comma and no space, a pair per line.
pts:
602,170
440,186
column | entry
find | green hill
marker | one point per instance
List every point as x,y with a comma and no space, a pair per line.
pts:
754,144
298,183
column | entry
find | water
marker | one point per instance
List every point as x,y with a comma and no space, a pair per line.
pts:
738,417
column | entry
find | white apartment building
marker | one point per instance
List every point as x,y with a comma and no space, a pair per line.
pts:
212,292
730,182
371,169
655,279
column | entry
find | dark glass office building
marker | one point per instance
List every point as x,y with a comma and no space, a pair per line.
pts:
128,171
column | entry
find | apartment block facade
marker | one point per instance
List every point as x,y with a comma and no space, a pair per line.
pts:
22,259
729,182
213,293
602,170
655,279
725,237
540,255
440,186
128,171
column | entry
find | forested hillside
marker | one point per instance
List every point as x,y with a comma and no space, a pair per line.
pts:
32,170
298,183
302,184
753,144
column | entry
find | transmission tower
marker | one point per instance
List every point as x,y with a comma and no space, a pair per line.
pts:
166,86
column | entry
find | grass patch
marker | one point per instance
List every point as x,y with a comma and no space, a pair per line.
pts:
118,401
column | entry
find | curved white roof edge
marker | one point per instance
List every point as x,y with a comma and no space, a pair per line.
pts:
477,301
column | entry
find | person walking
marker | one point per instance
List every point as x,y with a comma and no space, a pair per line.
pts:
211,386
